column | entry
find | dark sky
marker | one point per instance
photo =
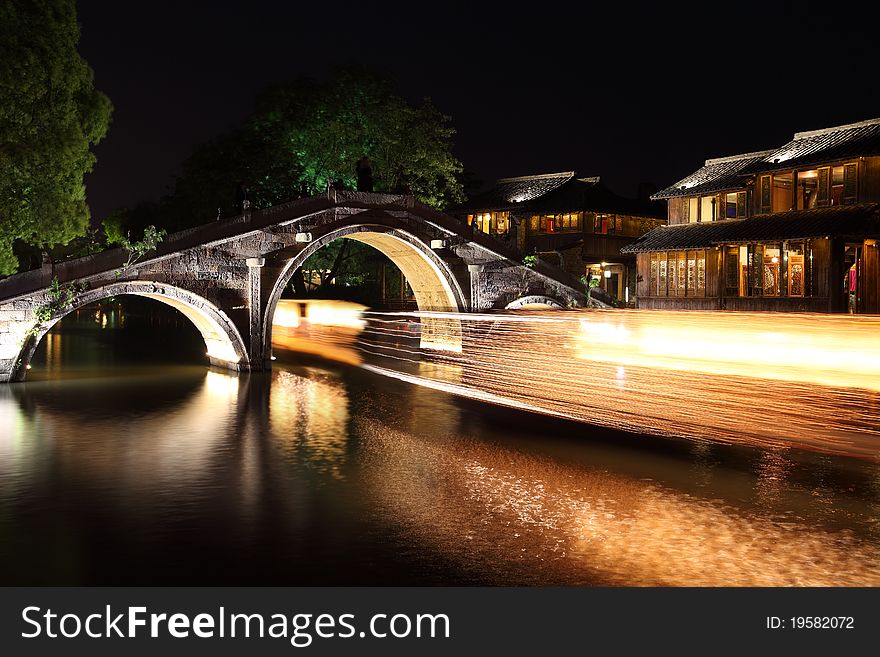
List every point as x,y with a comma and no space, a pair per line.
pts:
628,91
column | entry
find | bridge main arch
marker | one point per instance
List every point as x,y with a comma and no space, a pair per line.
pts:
223,342
434,286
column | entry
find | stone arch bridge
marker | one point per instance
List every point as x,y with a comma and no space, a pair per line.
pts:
228,276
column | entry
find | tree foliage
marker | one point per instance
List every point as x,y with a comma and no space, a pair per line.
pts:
343,261
305,133
50,115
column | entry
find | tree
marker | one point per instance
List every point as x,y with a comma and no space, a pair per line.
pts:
50,115
305,133
342,262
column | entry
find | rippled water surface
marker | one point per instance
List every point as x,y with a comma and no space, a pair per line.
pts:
118,469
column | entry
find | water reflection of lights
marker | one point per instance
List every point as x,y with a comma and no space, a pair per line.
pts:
490,506
12,425
309,416
176,443
765,379
221,387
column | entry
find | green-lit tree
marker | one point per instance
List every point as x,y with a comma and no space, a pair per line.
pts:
305,133
50,115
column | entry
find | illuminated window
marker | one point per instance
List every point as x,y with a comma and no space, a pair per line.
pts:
663,274
491,223
769,270
606,224
735,205
783,195
731,272
693,210
772,270
570,221
850,186
653,277
681,274
807,194
707,209
764,191
794,263
552,223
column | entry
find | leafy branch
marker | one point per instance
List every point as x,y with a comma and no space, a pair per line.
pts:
60,298
528,262
137,250
589,282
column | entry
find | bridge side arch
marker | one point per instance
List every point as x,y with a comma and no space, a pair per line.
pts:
433,284
534,300
223,342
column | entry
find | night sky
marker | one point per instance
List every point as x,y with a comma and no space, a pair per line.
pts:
626,91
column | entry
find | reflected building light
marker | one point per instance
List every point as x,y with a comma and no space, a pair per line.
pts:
221,386
12,427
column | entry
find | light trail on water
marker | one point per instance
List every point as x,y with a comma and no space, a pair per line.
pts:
768,380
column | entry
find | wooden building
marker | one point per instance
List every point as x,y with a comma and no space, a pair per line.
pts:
790,229
573,222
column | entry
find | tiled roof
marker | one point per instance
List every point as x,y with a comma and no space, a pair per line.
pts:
509,192
558,192
717,175
807,148
826,145
858,221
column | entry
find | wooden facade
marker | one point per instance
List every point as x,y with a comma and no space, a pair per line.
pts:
575,223
791,229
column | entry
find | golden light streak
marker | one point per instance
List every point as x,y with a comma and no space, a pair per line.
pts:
810,381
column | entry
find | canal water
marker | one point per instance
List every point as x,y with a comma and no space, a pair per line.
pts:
125,460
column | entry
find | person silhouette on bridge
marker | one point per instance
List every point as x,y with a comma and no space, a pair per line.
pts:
364,174
242,198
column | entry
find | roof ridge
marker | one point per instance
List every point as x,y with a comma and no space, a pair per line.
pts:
744,156
590,179
540,176
824,131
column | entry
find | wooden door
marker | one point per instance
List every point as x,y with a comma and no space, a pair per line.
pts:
868,285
